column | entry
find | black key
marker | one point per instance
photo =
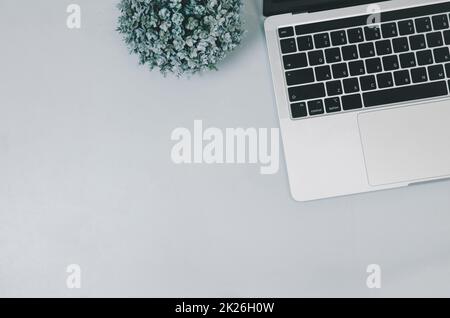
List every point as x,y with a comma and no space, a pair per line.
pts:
350,52
288,46
423,25
417,42
372,33
357,68
333,55
400,45
406,27
340,70
424,57
323,73
402,78
404,94
373,65
434,39
334,88
286,32
419,75
321,40
305,43
368,83
315,107
355,35
447,69
384,47
351,85
350,102
390,63
295,61
440,22
300,93
299,110
407,60
389,30
436,72
447,37
333,105
316,58
338,38
442,55
385,80
366,50
299,77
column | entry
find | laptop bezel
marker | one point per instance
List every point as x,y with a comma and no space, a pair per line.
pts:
272,7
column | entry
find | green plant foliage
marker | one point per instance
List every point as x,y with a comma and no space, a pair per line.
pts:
181,36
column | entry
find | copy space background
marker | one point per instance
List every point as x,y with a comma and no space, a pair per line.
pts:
86,178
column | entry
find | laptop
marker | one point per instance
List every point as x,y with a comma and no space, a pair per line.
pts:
362,91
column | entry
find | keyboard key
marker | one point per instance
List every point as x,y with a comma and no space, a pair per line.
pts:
419,75
385,80
340,70
440,22
390,63
442,55
424,57
372,33
400,45
384,47
402,78
305,43
447,37
299,77
286,32
355,35
436,72
299,110
435,39
357,68
333,105
288,46
447,69
334,88
373,65
368,83
389,30
366,50
315,107
404,94
423,25
350,102
295,61
333,55
407,60
350,52
305,92
316,58
323,73
417,42
351,85
322,40
338,38
406,27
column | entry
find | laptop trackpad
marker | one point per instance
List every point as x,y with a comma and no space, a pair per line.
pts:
406,144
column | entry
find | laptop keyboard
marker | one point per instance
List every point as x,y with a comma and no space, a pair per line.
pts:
346,65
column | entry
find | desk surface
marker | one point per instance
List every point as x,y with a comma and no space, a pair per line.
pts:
86,178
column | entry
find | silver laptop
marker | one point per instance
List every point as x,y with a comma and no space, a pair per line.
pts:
362,90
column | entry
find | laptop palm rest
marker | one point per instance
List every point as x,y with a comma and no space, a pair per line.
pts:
406,144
